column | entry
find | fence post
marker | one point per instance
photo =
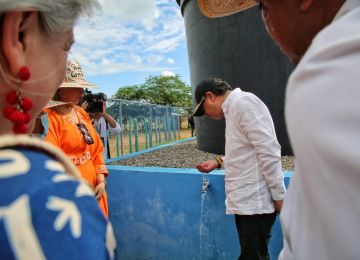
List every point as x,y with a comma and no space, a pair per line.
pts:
130,133
179,124
156,130
146,132
174,126
121,133
165,128
159,132
166,124
136,135
168,120
150,128
117,145
170,126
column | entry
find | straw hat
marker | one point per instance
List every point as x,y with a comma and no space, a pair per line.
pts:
74,77
220,8
54,103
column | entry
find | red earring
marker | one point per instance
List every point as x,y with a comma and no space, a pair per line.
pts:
17,111
24,73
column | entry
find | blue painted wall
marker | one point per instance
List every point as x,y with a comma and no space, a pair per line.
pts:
163,213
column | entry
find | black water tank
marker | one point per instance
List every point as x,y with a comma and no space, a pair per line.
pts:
237,49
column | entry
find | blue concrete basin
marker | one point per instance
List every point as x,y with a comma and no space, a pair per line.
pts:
167,213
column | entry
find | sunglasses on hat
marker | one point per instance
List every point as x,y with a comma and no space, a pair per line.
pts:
85,132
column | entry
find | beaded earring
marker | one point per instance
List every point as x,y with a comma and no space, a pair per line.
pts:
17,110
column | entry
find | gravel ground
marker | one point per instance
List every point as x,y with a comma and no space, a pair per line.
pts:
183,155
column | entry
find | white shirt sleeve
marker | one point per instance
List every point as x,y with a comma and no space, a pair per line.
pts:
114,130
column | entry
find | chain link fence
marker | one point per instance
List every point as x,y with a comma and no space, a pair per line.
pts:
144,125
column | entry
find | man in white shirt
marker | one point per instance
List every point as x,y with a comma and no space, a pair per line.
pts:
104,124
321,213
254,182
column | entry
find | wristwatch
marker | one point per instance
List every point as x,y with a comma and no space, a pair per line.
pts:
219,160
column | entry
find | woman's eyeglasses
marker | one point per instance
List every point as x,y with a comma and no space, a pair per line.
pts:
85,132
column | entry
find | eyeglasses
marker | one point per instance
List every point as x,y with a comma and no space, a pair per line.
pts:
85,132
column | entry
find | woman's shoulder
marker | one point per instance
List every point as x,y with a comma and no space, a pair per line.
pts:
52,114
50,111
26,169
33,150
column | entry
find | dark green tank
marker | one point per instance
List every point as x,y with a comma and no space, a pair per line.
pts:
237,49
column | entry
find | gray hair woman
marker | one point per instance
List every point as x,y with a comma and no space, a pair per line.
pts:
36,36
45,212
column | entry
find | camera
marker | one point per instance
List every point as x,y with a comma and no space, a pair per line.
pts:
94,101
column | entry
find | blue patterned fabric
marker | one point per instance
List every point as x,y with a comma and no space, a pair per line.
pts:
44,212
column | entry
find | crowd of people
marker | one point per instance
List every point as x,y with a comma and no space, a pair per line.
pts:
64,173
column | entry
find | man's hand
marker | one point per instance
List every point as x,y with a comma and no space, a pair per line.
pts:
84,105
278,205
207,166
111,121
103,107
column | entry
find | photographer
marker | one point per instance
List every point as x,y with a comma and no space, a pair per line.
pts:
102,121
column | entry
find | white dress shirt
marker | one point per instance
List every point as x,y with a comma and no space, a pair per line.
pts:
102,129
321,213
253,174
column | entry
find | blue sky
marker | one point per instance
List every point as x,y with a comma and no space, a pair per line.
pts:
129,41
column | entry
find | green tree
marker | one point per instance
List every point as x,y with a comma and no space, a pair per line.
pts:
161,90
133,92
167,90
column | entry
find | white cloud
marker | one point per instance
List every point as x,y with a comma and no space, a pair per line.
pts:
155,59
170,61
167,73
165,45
130,35
130,10
136,59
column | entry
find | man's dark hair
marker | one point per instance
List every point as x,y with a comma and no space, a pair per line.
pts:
217,86
214,85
